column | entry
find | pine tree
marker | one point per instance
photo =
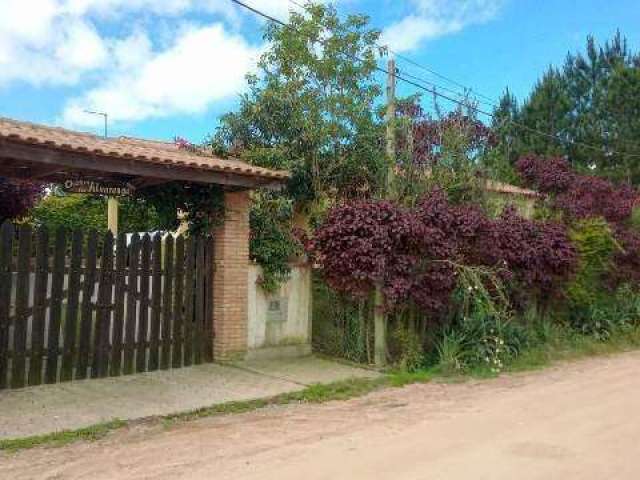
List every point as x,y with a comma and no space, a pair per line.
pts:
499,161
546,110
592,106
588,77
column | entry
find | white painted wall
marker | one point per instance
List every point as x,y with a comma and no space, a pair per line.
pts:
288,327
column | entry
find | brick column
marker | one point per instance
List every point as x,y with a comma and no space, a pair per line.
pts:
230,285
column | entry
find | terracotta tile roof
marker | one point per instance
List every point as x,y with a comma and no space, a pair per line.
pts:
499,187
141,150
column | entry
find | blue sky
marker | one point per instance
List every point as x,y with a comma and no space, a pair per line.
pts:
163,68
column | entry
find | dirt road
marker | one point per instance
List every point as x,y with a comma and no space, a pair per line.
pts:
578,421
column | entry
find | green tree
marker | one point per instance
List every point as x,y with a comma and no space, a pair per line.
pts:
623,103
588,78
310,110
547,111
86,212
592,104
499,161
310,107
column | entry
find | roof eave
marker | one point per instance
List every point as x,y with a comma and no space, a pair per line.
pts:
100,161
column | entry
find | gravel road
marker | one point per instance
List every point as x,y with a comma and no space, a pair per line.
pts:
575,421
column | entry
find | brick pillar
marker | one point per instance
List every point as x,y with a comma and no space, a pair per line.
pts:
230,287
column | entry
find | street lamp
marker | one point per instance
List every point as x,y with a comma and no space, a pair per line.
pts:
103,115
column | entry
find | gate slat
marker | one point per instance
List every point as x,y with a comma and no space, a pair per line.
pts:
178,314
188,301
55,310
118,316
73,300
132,303
143,313
6,281
102,327
156,298
167,303
39,306
198,337
23,288
208,299
86,320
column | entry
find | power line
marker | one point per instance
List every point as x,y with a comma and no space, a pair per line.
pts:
435,85
492,101
355,57
518,124
262,14
433,91
441,95
466,89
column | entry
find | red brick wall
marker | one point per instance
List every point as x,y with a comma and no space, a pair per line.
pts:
230,316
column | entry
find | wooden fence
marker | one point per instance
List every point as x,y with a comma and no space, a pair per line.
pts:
77,305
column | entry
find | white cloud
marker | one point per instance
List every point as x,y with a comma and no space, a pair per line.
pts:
136,70
204,65
56,42
39,44
116,8
435,18
72,49
82,47
27,21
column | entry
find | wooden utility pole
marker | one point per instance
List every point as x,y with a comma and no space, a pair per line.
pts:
379,316
112,215
390,121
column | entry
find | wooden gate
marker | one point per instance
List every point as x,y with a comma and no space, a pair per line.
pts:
77,305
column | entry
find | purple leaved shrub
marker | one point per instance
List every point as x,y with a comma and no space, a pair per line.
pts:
411,253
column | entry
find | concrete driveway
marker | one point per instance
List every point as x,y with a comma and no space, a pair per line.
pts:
71,405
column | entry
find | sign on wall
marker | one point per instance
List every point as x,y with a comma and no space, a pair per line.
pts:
98,188
277,309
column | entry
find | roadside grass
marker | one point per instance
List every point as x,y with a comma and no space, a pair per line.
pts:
60,439
559,349
575,347
562,347
401,378
317,393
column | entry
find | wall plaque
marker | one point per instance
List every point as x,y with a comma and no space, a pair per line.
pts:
98,188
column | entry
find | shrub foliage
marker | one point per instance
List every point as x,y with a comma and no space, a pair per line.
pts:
17,198
413,253
581,197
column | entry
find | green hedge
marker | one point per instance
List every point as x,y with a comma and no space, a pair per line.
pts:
86,212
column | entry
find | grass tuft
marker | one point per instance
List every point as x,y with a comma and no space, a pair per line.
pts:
65,437
402,378
317,393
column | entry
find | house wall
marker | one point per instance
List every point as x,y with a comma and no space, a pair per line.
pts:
279,324
524,204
